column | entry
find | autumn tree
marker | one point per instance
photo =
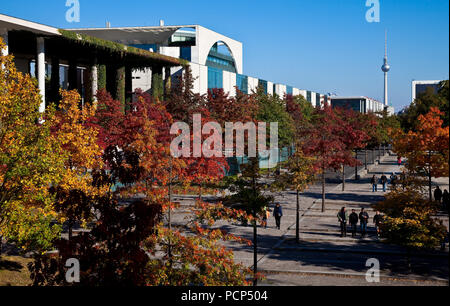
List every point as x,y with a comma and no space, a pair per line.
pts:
422,105
427,149
81,154
272,109
252,198
323,140
409,219
353,136
30,162
299,176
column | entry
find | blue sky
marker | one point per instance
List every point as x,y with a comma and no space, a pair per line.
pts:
320,45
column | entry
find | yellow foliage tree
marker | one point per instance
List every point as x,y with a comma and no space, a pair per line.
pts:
30,161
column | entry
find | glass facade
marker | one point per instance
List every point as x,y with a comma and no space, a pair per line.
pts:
318,100
221,58
215,78
185,53
354,104
308,96
242,83
289,90
263,84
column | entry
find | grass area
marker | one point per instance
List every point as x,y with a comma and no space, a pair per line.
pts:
14,271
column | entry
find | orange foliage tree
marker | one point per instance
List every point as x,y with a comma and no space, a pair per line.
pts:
427,148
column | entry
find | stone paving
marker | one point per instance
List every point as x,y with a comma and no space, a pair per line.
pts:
322,253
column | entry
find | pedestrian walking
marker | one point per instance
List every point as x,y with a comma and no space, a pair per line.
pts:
343,218
393,180
266,215
363,219
383,181
377,219
445,199
399,161
278,213
374,182
438,194
353,219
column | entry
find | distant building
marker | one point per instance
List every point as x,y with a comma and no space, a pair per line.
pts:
360,104
419,87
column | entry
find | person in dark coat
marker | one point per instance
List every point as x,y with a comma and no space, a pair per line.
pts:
343,218
445,199
363,220
384,181
438,194
374,182
278,213
377,219
353,219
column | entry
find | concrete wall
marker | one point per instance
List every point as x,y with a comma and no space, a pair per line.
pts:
206,39
142,79
252,85
269,88
229,83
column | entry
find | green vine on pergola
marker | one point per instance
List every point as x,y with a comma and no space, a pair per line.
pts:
116,48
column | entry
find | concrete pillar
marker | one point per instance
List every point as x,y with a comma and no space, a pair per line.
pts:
40,64
94,85
167,81
4,36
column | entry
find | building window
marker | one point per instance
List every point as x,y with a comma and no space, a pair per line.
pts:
289,90
308,97
185,53
263,84
215,78
220,57
242,83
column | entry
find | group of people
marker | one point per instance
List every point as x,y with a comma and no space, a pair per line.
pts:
353,219
383,180
277,213
442,197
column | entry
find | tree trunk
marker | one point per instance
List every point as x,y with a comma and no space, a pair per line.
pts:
365,159
255,253
323,190
429,175
384,150
70,229
356,166
297,219
343,177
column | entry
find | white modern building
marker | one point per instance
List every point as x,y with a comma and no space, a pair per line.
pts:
359,103
216,60
419,87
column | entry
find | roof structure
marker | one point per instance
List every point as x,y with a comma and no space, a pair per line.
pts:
13,23
133,35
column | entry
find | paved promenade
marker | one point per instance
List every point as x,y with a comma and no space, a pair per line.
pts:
323,257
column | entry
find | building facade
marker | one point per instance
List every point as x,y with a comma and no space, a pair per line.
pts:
216,61
418,87
359,104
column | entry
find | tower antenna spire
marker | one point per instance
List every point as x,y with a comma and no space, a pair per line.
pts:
385,43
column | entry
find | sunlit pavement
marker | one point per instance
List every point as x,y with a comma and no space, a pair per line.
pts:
322,255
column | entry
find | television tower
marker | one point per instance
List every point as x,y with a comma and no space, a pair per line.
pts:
385,68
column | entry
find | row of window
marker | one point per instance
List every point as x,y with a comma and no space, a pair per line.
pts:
215,80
